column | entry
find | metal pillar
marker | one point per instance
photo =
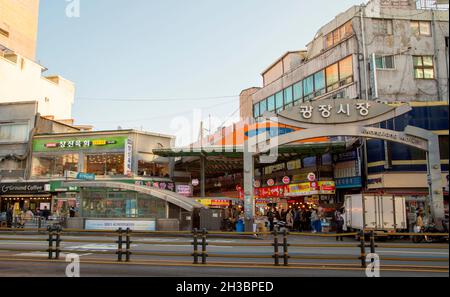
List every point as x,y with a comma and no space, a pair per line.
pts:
249,201
202,176
435,181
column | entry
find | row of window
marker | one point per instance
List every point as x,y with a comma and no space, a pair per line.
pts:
339,34
326,80
14,132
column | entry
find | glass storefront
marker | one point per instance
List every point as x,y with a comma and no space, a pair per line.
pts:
54,166
121,204
107,164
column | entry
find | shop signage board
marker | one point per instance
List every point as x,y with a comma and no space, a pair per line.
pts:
195,182
257,184
85,176
312,188
128,159
185,190
286,180
163,185
270,182
79,143
138,225
343,111
271,192
24,188
348,182
311,177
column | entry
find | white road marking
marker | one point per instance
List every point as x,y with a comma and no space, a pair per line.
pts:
45,255
410,252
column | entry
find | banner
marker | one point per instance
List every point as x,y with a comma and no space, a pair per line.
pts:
116,224
79,143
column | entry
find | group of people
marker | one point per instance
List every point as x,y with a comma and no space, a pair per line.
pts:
305,220
20,218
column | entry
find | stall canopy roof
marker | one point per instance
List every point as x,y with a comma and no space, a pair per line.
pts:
237,151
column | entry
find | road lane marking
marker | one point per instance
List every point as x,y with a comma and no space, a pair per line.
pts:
410,252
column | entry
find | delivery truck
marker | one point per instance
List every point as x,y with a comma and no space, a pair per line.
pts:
381,213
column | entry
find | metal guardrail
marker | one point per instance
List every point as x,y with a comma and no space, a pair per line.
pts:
280,244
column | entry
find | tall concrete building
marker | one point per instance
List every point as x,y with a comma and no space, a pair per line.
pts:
19,26
22,79
386,50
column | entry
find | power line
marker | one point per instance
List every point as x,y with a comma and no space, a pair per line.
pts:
160,99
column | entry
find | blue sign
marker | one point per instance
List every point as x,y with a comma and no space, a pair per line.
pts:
348,182
85,176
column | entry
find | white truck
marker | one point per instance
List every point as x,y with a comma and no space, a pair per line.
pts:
385,213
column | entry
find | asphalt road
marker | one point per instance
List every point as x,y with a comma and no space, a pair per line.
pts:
22,255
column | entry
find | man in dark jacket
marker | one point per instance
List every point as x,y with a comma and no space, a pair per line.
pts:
270,217
9,217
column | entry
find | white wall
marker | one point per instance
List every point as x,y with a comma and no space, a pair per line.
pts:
21,80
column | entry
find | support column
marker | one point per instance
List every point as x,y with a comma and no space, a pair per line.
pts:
249,201
435,181
202,176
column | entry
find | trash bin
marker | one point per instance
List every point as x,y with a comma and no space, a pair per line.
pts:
240,226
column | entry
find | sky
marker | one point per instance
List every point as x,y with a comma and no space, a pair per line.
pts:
165,65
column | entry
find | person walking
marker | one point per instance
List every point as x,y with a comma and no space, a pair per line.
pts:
339,220
290,219
314,219
297,221
270,218
9,217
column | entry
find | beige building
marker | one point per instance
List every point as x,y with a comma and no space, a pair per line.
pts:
21,78
19,26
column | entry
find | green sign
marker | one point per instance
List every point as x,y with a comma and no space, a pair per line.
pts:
79,143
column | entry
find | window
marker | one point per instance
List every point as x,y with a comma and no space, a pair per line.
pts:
271,103
382,27
4,33
298,92
332,73
256,110
279,101
319,83
288,96
108,164
13,132
262,107
346,70
54,166
423,67
421,28
385,62
308,87
339,34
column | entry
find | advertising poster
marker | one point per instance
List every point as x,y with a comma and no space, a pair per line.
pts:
116,224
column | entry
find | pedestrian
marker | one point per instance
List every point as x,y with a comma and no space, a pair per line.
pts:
314,219
290,219
9,217
72,212
46,213
270,218
297,214
339,220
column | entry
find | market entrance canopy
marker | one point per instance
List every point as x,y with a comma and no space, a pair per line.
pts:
346,117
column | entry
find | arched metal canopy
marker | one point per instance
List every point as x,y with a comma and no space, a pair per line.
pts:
174,198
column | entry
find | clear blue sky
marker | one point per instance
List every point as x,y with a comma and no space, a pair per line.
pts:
140,49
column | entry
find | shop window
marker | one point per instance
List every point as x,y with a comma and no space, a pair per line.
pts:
17,132
288,98
423,67
109,204
308,87
332,73
319,83
327,159
271,103
298,92
279,101
152,169
384,62
54,166
421,28
151,207
107,164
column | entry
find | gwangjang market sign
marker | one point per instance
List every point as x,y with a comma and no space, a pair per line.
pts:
338,111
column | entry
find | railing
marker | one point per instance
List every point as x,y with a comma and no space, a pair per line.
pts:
431,4
280,245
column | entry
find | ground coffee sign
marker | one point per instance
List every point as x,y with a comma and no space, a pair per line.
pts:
19,188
